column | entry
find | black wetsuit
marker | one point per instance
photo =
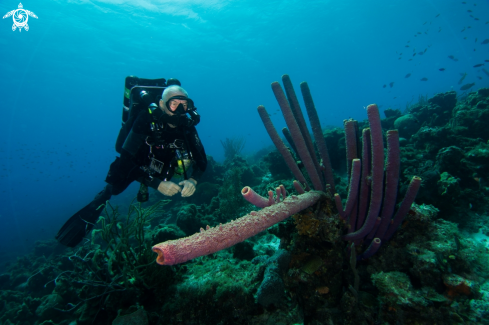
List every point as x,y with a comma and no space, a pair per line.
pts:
136,154
134,165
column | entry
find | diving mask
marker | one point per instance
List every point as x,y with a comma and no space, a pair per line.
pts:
180,104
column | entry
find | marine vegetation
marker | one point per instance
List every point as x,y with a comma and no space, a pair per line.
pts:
233,146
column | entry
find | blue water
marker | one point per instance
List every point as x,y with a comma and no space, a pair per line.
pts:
61,82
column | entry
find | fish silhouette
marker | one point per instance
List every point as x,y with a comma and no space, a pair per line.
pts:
463,77
467,86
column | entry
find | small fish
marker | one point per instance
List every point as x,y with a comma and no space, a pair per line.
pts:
465,37
463,77
419,33
478,65
469,10
437,15
467,86
425,23
486,60
476,18
469,26
391,84
442,69
464,2
476,39
420,53
406,45
414,54
485,71
479,77
384,86
486,41
408,75
424,79
426,49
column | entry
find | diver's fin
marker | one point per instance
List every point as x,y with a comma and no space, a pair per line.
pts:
80,224
73,231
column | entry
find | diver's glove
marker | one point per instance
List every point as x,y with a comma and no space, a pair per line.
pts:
195,117
168,188
188,187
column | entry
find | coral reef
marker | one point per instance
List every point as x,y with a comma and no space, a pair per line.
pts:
434,269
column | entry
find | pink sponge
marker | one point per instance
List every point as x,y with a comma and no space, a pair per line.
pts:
215,239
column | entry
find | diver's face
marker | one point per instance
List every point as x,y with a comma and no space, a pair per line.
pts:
173,104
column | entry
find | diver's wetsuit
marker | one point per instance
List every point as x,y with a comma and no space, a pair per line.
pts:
135,154
130,167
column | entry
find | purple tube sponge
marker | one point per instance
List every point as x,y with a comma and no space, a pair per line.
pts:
404,207
317,131
371,250
297,136
391,182
299,117
272,132
365,179
254,198
211,240
377,174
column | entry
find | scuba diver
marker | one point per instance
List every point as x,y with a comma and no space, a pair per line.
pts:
157,144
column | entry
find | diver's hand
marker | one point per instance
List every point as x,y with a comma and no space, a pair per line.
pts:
188,187
195,118
169,188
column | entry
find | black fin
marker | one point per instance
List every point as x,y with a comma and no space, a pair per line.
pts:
73,231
